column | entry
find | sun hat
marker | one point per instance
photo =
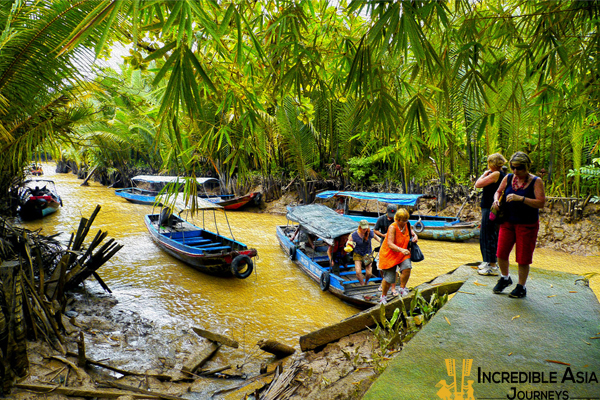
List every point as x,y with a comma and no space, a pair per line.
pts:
391,210
364,224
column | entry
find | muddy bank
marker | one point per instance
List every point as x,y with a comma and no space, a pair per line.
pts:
148,362
126,342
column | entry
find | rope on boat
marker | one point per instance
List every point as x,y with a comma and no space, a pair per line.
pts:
229,226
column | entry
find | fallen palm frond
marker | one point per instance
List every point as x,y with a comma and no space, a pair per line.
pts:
35,273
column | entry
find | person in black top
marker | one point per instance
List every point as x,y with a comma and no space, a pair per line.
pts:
488,236
384,222
525,196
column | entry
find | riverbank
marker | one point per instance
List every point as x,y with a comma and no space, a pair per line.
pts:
558,231
116,334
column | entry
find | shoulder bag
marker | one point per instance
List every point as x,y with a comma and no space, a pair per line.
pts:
416,255
498,214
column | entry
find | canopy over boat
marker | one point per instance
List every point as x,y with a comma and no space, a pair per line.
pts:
409,200
322,221
168,179
181,202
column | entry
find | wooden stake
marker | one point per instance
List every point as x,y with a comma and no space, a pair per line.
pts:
278,349
200,358
215,337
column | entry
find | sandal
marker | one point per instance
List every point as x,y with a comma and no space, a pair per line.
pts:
394,292
379,289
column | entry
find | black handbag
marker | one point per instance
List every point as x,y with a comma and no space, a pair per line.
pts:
498,215
416,254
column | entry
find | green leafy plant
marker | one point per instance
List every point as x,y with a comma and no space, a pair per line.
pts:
360,168
387,332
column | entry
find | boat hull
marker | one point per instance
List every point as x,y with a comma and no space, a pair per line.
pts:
36,203
148,197
235,203
206,251
137,196
432,228
315,267
34,209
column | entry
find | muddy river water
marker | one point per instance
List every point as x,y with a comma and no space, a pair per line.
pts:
278,301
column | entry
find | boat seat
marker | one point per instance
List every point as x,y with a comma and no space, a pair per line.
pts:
350,273
195,240
208,244
216,248
356,281
349,266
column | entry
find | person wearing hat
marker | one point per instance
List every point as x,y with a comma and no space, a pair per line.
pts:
362,251
384,222
381,228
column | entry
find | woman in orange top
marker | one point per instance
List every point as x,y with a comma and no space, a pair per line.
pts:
394,253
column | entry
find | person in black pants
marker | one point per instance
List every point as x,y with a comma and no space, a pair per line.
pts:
488,236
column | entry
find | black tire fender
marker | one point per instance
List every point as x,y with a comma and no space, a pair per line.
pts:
237,266
292,253
324,281
257,198
419,226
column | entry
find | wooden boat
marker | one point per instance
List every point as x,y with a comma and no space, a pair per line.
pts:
231,202
140,195
326,225
37,199
204,250
36,170
427,226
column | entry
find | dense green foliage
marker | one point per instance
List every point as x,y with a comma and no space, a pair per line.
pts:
399,90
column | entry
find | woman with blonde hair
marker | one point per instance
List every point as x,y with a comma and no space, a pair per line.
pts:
394,254
488,234
525,195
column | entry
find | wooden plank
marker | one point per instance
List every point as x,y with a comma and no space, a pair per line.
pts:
200,358
80,392
215,337
364,319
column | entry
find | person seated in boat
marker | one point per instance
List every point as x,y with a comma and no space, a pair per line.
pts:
304,237
341,206
362,251
337,253
166,218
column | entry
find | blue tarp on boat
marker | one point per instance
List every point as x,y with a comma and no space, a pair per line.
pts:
393,198
321,221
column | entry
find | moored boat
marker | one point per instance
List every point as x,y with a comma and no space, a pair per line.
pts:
37,199
206,251
427,226
326,225
139,195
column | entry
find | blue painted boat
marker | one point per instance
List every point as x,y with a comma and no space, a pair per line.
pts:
427,226
326,225
139,195
206,251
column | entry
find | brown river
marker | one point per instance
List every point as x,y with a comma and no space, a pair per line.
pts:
277,301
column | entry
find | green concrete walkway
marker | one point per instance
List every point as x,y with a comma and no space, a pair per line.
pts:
559,320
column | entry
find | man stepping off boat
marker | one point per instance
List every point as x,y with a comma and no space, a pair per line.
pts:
361,242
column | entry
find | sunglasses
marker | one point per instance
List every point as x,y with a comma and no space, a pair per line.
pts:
517,167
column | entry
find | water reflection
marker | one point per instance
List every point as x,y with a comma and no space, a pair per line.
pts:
278,301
